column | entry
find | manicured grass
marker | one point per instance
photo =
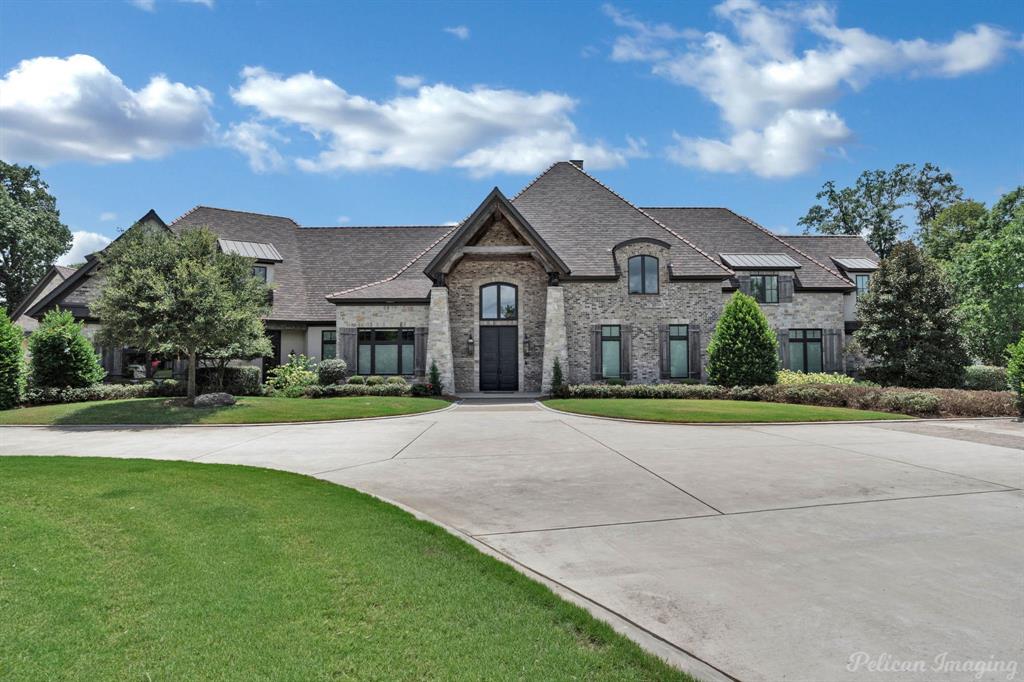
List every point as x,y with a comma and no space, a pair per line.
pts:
245,411
148,570
697,411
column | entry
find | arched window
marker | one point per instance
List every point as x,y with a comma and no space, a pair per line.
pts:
499,301
643,275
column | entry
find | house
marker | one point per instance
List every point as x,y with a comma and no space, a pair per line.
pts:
50,280
566,269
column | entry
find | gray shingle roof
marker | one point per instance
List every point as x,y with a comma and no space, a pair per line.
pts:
720,230
826,247
583,220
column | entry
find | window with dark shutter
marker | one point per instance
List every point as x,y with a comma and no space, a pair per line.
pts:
679,351
611,351
805,350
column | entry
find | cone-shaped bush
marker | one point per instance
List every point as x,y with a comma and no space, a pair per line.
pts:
12,363
61,355
743,350
1015,371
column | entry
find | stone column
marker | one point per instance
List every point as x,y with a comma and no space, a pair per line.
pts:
439,338
554,337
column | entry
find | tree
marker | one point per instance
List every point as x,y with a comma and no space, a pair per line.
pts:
179,294
989,277
743,350
909,323
12,363
246,349
61,355
31,234
872,207
952,228
1015,371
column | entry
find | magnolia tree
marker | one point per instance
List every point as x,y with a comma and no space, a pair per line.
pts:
179,294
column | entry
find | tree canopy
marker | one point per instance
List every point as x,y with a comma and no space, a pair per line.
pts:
909,323
179,294
873,205
743,350
31,233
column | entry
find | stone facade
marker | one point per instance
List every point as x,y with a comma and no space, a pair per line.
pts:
439,337
555,346
464,284
382,315
589,303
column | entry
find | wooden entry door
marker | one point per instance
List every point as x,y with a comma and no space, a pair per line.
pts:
499,358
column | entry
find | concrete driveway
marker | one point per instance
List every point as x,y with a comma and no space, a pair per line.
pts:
818,552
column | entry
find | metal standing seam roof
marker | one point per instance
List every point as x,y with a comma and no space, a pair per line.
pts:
760,260
856,263
258,250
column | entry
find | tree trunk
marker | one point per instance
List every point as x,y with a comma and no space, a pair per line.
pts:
191,376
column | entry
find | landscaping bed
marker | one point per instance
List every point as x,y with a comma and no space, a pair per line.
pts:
708,411
247,410
134,569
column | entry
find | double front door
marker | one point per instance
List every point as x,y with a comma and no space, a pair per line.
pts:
499,358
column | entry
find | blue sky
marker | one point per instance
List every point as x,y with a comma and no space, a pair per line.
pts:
408,113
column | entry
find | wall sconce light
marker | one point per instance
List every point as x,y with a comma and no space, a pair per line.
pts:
526,344
469,342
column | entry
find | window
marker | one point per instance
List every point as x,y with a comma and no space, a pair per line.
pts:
679,351
499,302
805,350
643,275
260,272
328,344
611,351
386,351
863,281
765,288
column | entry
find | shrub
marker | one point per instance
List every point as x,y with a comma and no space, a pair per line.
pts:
615,382
644,391
419,390
743,349
61,355
244,380
49,395
350,390
374,380
557,380
985,378
291,379
436,386
396,380
788,377
356,379
12,363
331,372
910,402
1015,371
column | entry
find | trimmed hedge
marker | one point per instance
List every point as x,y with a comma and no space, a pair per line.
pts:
948,402
791,378
985,378
46,396
61,355
348,390
331,371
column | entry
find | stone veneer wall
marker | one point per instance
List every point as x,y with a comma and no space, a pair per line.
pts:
464,284
382,315
679,302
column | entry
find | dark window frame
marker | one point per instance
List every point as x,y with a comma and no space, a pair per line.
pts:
399,344
497,302
798,341
333,343
644,259
867,284
764,289
266,273
677,336
616,338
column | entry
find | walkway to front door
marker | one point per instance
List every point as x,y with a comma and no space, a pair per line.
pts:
499,358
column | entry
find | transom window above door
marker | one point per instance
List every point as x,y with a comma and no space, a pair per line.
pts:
499,301
643,275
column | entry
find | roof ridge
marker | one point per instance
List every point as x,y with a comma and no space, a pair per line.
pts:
534,181
788,245
369,227
405,267
652,218
684,208
234,210
822,236
185,214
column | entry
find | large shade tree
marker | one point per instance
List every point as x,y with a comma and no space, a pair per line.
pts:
31,233
179,294
909,322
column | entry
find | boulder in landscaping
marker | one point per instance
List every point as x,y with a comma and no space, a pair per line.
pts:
214,400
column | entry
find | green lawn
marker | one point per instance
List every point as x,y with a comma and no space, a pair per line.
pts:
697,411
245,411
147,570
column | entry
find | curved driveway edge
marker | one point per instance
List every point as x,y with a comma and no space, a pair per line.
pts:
768,551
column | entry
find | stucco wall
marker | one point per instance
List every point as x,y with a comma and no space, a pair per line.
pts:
464,284
679,302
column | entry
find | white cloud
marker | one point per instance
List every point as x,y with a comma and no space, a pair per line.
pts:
257,142
146,5
54,109
483,130
409,82
343,219
107,216
84,243
460,32
763,85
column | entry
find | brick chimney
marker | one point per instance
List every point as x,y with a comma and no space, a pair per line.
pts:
577,162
